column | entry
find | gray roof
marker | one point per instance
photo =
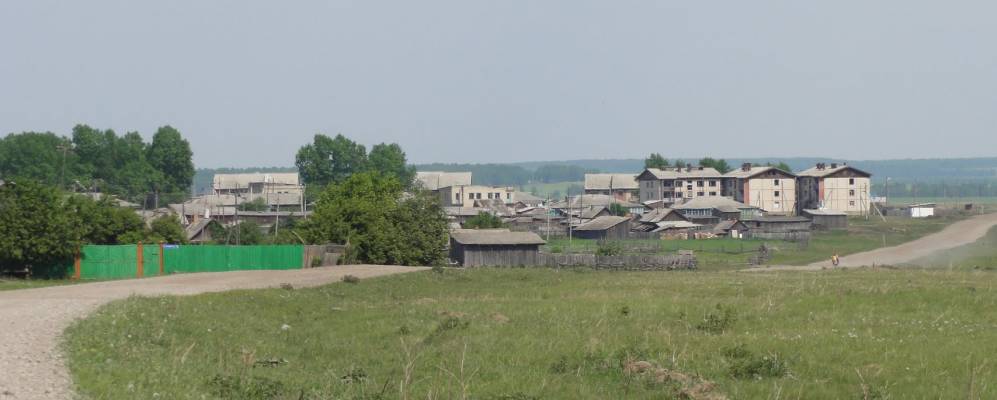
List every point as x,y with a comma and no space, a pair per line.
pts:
494,237
682,173
601,223
778,218
611,182
820,173
592,212
434,180
664,226
587,200
242,181
656,215
741,173
723,204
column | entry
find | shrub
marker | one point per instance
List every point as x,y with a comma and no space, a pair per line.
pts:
316,261
609,249
351,279
719,321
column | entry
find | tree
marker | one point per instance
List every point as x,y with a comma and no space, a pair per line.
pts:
655,160
103,222
166,229
366,212
781,165
36,232
618,210
330,160
680,164
170,154
389,159
720,165
484,221
249,233
257,204
41,157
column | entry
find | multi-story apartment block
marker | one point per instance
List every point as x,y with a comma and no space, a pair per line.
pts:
768,188
676,185
837,187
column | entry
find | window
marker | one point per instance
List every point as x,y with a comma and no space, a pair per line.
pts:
668,195
851,181
700,194
775,182
489,196
457,197
713,193
851,192
689,187
713,183
699,183
851,203
667,184
498,196
478,196
777,193
508,196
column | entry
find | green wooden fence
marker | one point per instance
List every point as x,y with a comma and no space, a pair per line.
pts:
117,262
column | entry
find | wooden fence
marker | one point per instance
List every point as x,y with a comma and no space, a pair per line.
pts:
619,263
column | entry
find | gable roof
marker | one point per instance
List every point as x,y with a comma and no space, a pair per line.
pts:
611,182
826,171
679,173
434,180
723,204
659,214
494,237
593,212
725,226
755,171
666,225
601,223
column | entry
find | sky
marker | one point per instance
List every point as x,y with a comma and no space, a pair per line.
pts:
248,82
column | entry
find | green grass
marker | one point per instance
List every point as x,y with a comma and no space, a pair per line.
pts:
539,333
863,234
14,284
981,254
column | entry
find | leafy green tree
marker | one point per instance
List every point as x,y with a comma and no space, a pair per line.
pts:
41,157
618,210
36,232
170,154
783,166
257,204
389,159
656,160
330,160
720,165
366,212
103,222
484,221
680,164
166,229
248,232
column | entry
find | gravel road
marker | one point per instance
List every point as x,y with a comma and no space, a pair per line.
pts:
958,234
32,320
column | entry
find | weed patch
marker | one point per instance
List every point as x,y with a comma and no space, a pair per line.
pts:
719,321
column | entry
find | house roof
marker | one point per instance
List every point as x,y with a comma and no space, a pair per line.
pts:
601,223
778,219
753,171
195,229
666,225
657,215
724,226
679,173
611,182
434,180
826,171
587,200
242,181
723,204
494,237
592,212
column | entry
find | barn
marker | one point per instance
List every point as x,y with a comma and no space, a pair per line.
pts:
494,247
779,228
604,228
827,219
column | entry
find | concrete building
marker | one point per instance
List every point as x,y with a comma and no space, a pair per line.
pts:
494,247
257,183
677,185
837,187
436,180
466,195
768,188
623,187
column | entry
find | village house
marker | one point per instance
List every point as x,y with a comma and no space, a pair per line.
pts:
466,195
677,185
712,210
436,180
257,184
622,187
604,228
837,187
494,247
779,227
768,188
827,219
650,220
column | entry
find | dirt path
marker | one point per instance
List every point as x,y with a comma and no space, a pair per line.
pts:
32,320
958,234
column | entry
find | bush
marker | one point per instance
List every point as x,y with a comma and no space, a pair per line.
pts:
609,249
746,365
719,321
351,279
316,261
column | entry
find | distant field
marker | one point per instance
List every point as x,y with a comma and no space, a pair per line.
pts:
718,254
540,333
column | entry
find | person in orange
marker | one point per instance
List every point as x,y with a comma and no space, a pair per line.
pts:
834,260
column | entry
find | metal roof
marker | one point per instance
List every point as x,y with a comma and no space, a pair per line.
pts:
434,180
751,172
494,237
825,212
611,182
601,223
242,181
723,204
682,173
820,173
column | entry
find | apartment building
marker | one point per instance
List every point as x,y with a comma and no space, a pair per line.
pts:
677,185
837,187
766,187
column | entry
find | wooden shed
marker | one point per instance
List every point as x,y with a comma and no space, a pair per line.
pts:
827,219
604,228
779,227
494,247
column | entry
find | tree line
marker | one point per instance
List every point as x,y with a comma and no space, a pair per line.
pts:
656,160
94,160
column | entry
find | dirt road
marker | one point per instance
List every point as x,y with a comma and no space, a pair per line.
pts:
958,234
32,320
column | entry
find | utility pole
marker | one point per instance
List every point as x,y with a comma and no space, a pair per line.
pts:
237,227
62,175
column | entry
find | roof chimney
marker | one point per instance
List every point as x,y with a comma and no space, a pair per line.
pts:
820,166
700,167
746,167
834,165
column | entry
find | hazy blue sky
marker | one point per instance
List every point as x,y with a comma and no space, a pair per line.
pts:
248,82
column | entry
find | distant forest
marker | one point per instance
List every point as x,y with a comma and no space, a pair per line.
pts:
961,177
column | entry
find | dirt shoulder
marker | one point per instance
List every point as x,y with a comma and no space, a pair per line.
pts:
32,320
958,234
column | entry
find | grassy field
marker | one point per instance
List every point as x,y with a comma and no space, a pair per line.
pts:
720,254
14,284
538,333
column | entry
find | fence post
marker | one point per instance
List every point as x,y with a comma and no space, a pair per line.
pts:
161,246
138,270
76,265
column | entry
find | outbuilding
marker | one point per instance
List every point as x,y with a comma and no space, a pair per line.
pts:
923,210
494,247
779,228
827,219
604,228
